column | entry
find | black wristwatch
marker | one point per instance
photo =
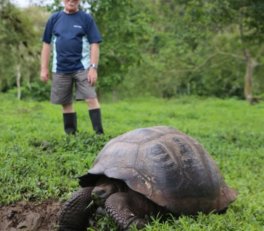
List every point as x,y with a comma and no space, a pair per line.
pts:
93,65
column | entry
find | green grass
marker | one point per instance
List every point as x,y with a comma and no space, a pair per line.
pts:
37,161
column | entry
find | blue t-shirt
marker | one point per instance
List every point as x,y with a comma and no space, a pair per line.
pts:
71,36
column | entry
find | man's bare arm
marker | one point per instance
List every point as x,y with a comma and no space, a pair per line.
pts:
45,56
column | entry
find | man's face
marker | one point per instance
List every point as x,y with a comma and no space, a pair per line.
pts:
71,6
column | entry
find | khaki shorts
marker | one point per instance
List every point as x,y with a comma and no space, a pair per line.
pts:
63,86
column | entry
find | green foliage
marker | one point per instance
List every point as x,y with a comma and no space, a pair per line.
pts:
160,48
250,14
37,91
124,26
19,45
37,161
202,53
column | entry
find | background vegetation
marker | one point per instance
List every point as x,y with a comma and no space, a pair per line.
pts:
37,161
187,64
162,48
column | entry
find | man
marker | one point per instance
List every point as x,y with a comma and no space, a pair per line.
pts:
73,37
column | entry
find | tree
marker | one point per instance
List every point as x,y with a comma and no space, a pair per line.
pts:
247,16
199,27
177,50
17,40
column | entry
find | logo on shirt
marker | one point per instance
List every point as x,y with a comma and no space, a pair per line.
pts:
77,26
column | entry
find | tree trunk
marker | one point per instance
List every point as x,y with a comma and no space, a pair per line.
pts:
248,84
18,81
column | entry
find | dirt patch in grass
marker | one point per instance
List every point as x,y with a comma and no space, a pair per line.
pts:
30,216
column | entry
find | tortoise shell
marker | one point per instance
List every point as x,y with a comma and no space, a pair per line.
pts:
167,166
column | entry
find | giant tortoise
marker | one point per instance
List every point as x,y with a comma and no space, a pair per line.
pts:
146,172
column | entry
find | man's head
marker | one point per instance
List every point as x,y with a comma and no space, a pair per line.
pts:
71,6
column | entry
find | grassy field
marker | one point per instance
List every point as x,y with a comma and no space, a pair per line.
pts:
37,161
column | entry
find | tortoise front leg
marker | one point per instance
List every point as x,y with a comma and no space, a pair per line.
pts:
120,206
76,211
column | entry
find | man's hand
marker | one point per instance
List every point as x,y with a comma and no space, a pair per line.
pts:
92,76
44,75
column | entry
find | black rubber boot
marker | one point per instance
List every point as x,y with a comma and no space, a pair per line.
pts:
95,116
70,122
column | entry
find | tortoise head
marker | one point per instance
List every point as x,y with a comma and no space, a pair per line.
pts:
226,197
105,187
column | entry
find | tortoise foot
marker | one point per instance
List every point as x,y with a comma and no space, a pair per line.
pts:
76,211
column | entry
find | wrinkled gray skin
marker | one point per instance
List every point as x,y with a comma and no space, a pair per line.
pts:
146,172
124,205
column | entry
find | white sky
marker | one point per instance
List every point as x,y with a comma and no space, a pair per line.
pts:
26,3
